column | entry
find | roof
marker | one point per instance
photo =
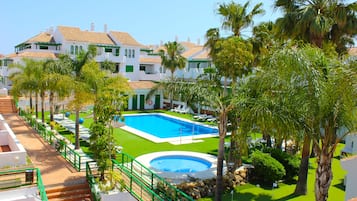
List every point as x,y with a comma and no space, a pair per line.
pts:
188,45
352,51
75,34
202,55
125,38
192,51
1,55
47,55
41,37
141,84
150,60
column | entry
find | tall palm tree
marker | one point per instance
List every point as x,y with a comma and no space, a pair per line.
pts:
236,16
26,80
172,59
58,78
318,22
81,89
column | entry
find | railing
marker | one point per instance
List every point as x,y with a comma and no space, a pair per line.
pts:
150,184
68,153
23,177
91,181
40,186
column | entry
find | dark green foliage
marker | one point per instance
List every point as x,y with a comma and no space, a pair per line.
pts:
291,163
266,168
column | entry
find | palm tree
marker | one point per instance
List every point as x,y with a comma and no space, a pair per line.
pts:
318,22
172,59
58,79
26,79
81,90
236,17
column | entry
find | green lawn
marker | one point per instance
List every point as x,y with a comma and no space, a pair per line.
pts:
136,146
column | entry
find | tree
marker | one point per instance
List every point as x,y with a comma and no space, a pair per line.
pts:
57,76
172,59
318,22
337,106
81,90
26,79
111,98
236,17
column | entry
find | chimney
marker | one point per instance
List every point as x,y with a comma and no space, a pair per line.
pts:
188,39
92,26
176,38
105,28
161,43
198,41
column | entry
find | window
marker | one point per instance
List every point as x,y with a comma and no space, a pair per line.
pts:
43,47
116,68
126,52
72,49
129,69
108,50
129,53
142,68
117,52
133,53
80,48
76,49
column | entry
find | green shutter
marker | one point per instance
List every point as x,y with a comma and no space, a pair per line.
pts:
135,102
129,68
157,102
142,102
117,52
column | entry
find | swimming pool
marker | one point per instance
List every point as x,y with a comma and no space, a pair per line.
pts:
163,128
180,163
172,165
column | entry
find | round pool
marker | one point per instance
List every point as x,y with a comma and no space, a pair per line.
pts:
178,166
180,163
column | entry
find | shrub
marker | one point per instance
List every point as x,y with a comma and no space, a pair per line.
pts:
266,168
291,163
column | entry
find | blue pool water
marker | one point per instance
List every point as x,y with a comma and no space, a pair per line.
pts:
165,127
178,163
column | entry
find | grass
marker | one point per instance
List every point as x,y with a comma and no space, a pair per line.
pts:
136,146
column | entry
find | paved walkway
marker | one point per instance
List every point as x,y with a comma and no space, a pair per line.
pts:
55,170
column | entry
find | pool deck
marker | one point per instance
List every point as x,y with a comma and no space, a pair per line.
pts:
173,140
178,177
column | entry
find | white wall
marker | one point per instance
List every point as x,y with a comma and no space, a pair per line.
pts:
20,194
350,164
17,155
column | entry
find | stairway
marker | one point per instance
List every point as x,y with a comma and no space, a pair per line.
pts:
78,192
7,105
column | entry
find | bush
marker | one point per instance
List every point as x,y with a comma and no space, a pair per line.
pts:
291,163
266,168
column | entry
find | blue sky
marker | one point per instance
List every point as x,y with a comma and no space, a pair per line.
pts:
148,21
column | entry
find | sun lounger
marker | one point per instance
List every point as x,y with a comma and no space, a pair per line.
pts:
184,110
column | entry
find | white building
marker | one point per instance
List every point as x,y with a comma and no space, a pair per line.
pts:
350,144
350,165
133,60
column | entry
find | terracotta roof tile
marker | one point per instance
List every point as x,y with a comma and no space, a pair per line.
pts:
192,51
188,45
150,60
125,38
141,84
75,34
48,55
41,37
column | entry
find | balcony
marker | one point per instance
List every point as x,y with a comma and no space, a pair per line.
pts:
153,76
110,57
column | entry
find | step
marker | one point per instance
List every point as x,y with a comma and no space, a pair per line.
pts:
69,193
